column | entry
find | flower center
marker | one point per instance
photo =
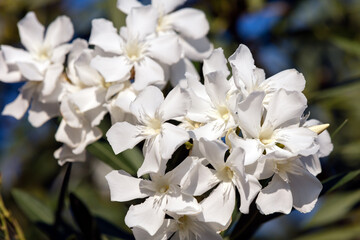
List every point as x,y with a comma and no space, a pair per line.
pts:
134,50
266,136
224,113
43,54
164,189
163,24
155,125
183,222
226,174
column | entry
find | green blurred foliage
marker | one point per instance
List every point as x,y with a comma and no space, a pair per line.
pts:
322,40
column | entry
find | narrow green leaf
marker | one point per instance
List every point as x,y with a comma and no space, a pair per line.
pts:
83,218
343,233
350,46
35,210
129,160
339,128
347,178
334,208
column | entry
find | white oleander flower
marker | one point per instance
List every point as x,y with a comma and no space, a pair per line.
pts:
227,175
189,24
161,138
163,194
276,132
292,185
181,227
248,78
138,53
41,65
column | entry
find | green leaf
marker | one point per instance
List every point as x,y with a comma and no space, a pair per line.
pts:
343,233
350,46
129,160
338,180
339,128
347,178
334,208
83,218
35,210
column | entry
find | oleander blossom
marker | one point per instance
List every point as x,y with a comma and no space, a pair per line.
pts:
205,139
41,65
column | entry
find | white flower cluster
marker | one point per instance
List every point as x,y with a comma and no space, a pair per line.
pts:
239,126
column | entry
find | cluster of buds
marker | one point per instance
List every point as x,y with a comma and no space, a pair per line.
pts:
239,127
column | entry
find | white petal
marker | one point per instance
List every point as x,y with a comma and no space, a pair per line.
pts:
289,79
105,36
249,114
210,131
214,152
30,71
59,53
166,230
275,197
51,78
147,103
166,6
142,21
19,106
113,69
68,135
123,136
92,134
182,204
285,108
59,31
297,140
179,69
139,215
124,99
242,64
10,77
64,154
217,87
248,187
262,169
206,232
216,62
69,113
194,178
39,112
305,189
31,32
165,48
196,49
253,149
323,139
13,55
153,163
219,205
7,75
126,5
172,138
147,72
124,187
88,98
189,22
312,164
175,104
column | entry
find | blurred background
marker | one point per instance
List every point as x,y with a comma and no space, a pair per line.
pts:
319,38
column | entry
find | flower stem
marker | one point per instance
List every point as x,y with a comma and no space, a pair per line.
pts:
61,201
